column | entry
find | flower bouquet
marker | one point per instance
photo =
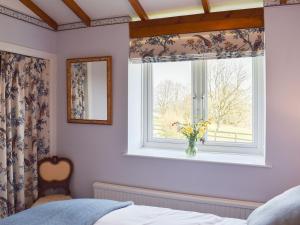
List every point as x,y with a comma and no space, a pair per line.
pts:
193,132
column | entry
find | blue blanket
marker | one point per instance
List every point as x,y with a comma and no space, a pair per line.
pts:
69,212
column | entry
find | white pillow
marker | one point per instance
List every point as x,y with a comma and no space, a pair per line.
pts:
283,209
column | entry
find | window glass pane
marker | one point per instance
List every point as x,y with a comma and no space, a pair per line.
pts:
171,97
230,93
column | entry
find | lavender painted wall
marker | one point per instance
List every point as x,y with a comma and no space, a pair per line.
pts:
97,150
27,35
24,38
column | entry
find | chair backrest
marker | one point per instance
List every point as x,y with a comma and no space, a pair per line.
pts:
54,176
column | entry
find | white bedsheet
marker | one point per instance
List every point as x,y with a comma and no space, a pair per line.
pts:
147,215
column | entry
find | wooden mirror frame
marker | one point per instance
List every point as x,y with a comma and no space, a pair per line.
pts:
108,60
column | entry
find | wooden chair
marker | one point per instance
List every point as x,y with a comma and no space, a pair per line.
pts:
54,179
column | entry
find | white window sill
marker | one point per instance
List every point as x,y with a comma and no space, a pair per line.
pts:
209,157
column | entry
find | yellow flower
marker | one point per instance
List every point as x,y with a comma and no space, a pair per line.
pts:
187,130
202,129
190,130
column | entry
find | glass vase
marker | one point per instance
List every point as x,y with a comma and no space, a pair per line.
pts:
192,148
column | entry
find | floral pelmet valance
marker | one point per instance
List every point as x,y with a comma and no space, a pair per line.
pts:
277,2
207,45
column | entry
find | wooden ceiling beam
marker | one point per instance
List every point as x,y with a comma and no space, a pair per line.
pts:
78,11
283,2
40,13
238,19
206,6
136,5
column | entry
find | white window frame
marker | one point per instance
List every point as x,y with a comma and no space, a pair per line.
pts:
258,84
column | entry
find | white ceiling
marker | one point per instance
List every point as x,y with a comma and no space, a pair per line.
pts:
168,8
57,10
225,5
99,9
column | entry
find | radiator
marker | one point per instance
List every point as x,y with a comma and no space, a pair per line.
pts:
142,196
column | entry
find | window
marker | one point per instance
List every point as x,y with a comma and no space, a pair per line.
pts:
228,91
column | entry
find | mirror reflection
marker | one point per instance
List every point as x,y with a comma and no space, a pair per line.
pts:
89,90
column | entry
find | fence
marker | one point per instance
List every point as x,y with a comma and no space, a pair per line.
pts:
213,135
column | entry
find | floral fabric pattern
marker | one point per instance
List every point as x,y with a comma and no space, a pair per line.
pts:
277,2
24,133
208,45
79,90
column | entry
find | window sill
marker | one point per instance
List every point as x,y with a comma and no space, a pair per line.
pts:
207,157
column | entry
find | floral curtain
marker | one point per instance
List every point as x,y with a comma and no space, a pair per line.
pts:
79,90
207,45
277,2
24,134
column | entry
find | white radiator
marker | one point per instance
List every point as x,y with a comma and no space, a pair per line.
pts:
141,196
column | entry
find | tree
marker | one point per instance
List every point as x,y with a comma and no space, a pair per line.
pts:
228,93
168,94
229,99
172,102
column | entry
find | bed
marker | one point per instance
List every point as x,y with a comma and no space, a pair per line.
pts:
283,209
109,212
141,215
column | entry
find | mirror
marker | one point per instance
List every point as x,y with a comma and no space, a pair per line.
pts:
89,90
